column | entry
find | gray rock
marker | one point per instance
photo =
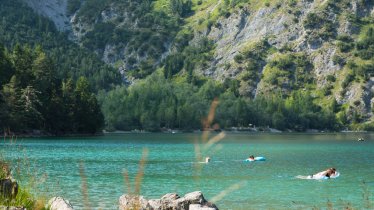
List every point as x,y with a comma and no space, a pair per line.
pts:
200,207
195,197
127,202
59,203
170,201
155,204
170,197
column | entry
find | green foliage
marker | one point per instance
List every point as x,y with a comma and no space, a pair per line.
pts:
146,40
347,80
23,198
181,8
188,57
73,6
252,59
292,70
4,170
312,21
365,46
238,58
157,103
21,25
338,60
91,9
173,64
320,23
33,98
331,78
100,36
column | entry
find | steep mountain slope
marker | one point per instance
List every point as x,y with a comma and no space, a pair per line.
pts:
314,30
20,25
56,10
324,47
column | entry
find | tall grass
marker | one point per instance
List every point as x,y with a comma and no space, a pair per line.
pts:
22,173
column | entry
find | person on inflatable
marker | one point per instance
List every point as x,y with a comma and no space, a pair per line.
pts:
251,158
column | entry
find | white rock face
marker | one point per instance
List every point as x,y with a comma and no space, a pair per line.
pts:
54,10
59,203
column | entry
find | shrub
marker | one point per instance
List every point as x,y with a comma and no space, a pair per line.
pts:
344,46
73,6
239,58
347,80
312,21
331,78
336,59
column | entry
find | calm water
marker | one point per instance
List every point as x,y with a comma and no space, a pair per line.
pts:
171,167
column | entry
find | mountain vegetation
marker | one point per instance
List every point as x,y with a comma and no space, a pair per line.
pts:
21,25
32,97
158,64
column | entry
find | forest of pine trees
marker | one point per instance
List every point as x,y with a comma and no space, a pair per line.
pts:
33,98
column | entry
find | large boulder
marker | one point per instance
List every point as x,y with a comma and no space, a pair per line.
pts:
170,201
59,203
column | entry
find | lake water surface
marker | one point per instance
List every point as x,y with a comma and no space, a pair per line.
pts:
171,167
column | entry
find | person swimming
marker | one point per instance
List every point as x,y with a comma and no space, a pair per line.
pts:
207,159
326,173
251,157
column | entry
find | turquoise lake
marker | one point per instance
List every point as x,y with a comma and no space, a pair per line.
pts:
172,167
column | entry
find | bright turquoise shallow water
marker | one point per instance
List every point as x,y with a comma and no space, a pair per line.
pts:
171,168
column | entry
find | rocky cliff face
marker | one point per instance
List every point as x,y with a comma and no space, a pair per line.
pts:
53,9
284,25
304,35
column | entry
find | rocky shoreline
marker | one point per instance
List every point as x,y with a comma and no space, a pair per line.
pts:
190,201
171,201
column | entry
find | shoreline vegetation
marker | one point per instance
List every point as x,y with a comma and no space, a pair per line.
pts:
233,130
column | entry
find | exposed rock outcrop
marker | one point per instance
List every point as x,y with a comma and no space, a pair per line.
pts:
59,203
54,10
172,201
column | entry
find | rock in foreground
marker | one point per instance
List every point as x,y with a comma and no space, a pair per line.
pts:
59,203
8,189
170,201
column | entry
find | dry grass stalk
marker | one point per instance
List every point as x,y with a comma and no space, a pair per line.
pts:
140,174
209,146
227,191
207,122
211,142
86,202
205,147
135,194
